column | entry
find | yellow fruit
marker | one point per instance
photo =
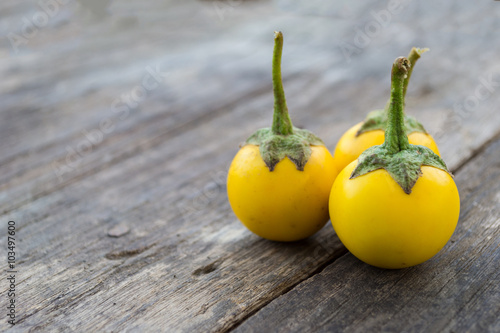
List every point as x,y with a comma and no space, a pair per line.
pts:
385,227
284,204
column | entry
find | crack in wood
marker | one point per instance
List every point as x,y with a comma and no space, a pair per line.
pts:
335,256
477,152
116,255
208,268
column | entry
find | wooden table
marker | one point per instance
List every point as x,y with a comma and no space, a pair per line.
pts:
118,126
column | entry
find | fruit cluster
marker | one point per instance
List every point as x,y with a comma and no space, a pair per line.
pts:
390,197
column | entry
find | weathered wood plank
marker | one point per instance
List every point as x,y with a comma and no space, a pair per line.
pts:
456,291
186,261
142,193
92,72
89,78
29,165
153,204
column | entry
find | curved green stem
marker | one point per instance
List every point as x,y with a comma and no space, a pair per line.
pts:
414,55
282,124
396,155
395,134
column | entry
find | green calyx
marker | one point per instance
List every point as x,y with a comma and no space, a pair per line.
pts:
403,166
282,139
402,160
377,120
274,147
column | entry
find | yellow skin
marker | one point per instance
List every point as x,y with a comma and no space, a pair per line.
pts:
285,204
351,146
385,227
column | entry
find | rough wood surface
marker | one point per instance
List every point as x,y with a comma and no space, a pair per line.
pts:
456,291
184,262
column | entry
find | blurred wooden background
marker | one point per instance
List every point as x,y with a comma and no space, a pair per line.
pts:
120,119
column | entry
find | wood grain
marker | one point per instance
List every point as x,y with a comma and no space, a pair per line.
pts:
186,264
